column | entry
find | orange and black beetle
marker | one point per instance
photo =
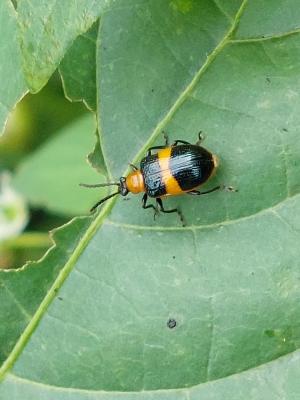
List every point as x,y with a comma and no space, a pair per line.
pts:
172,170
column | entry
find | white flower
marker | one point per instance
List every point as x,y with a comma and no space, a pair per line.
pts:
13,210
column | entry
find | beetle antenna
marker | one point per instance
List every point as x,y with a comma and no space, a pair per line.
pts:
99,184
103,200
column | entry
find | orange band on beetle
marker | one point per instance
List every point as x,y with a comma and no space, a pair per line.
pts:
171,184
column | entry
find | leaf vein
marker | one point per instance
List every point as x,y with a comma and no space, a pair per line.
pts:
202,227
17,302
265,38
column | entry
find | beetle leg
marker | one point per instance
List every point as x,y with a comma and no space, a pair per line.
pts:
180,141
198,193
160,203
133,167
162,209
220,187
229,188
154,148
166,137
201,137
144,204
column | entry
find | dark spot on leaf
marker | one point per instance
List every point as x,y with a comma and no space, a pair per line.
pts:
285,129
60,298
173,257
268,79
171,323
152,90
269,332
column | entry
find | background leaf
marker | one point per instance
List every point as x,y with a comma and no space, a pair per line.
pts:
230,278
50,177
78,69
47,31
12,86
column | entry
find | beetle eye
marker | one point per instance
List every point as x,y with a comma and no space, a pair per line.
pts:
123,186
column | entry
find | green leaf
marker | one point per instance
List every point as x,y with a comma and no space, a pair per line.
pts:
22,291
78,69
279,379
230,278
48,29
50,177
263,19
95,157
12,86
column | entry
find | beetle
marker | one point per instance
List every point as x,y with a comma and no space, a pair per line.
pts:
172,170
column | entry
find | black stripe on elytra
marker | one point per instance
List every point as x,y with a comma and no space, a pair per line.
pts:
151,171
190,165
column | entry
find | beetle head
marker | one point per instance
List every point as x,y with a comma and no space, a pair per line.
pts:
123,187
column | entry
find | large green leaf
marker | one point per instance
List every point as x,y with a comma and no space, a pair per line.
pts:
231,277
50,177
277,380
23,290
47,30
12,86
78,69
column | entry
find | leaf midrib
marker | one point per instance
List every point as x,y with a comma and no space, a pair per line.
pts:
95,225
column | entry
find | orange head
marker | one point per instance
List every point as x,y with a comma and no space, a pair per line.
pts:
135,182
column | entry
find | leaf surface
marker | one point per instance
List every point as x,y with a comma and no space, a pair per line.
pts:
78,69
230,279
12,86
47,31
23,290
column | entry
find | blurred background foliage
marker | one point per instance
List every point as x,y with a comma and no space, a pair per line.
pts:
36,119
35,124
